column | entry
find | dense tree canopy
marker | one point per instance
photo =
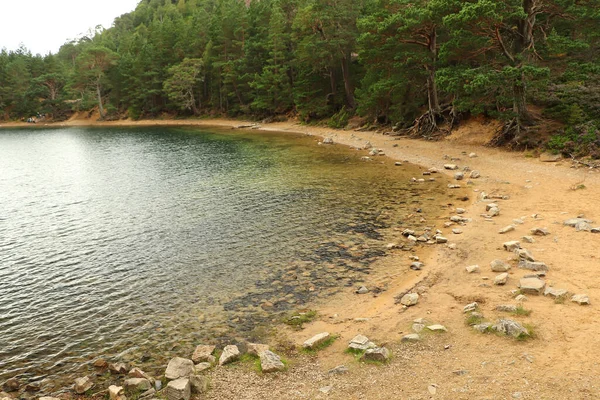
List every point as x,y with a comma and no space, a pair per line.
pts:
415,64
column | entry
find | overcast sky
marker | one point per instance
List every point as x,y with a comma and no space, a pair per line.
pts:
45,25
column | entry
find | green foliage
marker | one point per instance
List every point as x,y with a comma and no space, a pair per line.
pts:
300,318
388,61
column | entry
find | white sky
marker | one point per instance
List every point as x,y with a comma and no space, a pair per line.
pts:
45,25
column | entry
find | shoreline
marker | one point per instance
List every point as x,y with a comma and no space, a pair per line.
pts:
564,331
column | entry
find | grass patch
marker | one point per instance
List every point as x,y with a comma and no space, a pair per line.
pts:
522,311
321,346
474,319
532,333
298,319
560,300
357,353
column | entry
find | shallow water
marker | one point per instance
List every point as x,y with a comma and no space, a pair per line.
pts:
135,244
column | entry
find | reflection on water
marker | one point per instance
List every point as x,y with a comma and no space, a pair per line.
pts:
135,243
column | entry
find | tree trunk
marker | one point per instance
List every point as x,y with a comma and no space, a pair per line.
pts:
348,87
520,100
432,91
100,107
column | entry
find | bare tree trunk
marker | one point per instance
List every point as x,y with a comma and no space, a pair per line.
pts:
432,91
100,107
348,87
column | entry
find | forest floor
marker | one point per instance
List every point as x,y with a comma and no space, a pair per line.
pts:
561,360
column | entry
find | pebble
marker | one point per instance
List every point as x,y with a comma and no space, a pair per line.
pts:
506,229
417,266
451,166
362,290
556,293
512,245
528,239
409,299
413,337
339,370
83,384
437,328
326,389
470,307
540,232
501,279
457,231
521,298
474,174
524,254
459,176
471,269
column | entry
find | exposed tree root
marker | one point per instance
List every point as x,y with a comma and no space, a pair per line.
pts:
432,124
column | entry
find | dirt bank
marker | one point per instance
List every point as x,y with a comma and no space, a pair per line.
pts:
560,362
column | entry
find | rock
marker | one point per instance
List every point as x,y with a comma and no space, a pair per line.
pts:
470,307
506,229
471,269
459,176
499,266
100,363
148,394
179,389
179,368
340,369
506,308
326,389
115,392
521,298
379,354
457,231
362,290
581,299
501,279
460,372
270,362
484,327
528,239
316,340
413,337
549,157
493,212
201,367
83,384
440,239
451,186
328,140
202,353
518,221
489,206
138,373
41,398
230,354
418,328
583,227
531,285
540,232
475,174
118,368
472,155
361,343
198,384
556,293
409,299
432,389
255,349
391,246
574,221
524,254
533,266
35,386
451,167
460,211
510,328
11,385
512,245
137,384
398,164
437,328
458,219
417,266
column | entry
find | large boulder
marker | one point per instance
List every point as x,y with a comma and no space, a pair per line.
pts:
179,389
179,368
270,362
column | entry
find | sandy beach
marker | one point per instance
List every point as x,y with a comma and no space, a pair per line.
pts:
559,362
